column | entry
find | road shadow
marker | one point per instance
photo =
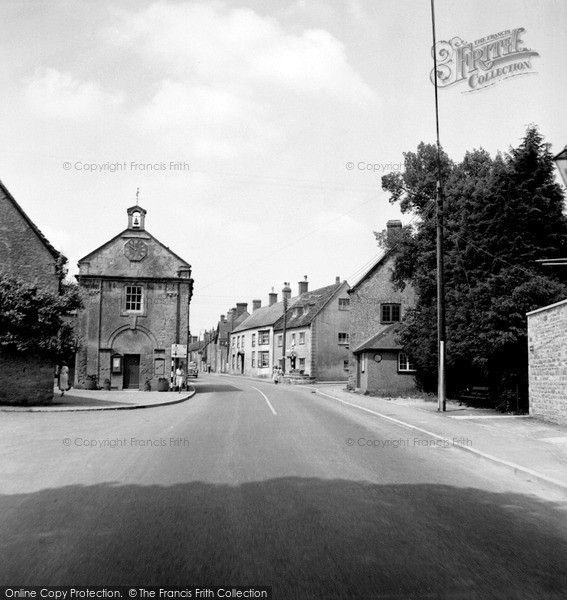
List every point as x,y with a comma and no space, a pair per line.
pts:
308,538
215,387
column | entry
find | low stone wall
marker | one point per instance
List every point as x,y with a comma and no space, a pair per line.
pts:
25,381
547,350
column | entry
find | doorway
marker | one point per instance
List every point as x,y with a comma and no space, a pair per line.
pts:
131,372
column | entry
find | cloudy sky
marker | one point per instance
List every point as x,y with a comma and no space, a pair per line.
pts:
264,104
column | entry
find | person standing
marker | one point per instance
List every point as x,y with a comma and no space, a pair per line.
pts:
64,378
179,375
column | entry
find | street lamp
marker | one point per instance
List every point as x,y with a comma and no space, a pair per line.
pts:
561,162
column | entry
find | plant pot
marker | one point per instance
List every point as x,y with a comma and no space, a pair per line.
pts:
90,384
163,386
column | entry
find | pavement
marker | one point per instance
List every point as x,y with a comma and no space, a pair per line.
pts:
85,400
534,449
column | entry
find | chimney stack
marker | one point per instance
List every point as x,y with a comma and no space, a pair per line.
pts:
273,298
241,308
303,285
256,304
393,230
286,291
337,280
222,319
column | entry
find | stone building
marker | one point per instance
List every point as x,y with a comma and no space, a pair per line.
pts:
317,334
26,254
137,299
377,361
547,352
24,250
251,350
235,316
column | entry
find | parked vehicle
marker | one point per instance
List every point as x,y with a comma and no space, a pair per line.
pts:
192,370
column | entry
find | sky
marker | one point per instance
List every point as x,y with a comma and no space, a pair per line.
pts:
250,114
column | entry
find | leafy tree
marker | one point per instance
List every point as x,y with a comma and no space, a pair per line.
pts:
32,321
500,215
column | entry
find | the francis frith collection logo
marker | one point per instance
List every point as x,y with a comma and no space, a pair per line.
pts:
484,62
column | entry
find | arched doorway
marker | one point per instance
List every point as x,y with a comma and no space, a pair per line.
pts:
137,351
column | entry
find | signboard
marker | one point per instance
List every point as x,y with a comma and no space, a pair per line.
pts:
178,350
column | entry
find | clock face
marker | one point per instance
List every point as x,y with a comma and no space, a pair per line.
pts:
135,249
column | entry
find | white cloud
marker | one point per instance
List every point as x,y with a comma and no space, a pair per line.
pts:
228,81
52,93
219,44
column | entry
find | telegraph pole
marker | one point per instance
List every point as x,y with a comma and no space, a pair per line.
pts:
441,384
286,289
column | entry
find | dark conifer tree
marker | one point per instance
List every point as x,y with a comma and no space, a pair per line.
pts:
501,216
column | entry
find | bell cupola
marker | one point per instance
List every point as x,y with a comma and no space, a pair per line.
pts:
136,218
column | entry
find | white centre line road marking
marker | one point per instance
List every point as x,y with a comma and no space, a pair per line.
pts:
266,399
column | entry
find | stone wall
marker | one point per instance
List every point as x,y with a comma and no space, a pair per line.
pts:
547,346
25,381
22,253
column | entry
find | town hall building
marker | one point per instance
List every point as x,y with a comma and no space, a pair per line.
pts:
136,318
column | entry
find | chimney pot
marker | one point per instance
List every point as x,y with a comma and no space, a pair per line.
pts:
303,286
286,291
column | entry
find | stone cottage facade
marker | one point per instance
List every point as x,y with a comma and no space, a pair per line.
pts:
137,300
317,335
377,362
547,356
251,346
317,332
26,254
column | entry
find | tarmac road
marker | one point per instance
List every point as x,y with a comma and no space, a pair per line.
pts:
251,483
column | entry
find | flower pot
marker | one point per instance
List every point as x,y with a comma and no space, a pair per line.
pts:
163,386
90,384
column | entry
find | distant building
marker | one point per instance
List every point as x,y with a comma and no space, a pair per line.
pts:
317,335
377,362
26,254
219,351
137,298
251,349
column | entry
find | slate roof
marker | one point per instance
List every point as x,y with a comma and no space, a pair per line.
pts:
265,316
196,346
385,340
314,301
